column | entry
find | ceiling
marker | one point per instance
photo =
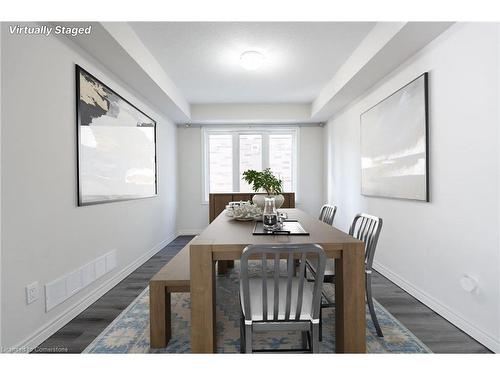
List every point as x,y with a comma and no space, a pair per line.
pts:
190,72
202,59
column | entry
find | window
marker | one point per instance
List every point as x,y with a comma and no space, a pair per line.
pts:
281,158
221,162
250,157
229,153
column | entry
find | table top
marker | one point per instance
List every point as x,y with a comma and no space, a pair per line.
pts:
226,234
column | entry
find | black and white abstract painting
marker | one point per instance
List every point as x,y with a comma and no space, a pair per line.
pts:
394,160
116,145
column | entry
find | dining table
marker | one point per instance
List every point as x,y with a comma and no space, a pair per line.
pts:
225,238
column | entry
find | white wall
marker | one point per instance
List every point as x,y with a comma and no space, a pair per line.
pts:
250,113
0,188
44,234
427,247
192,215
498,159
310,170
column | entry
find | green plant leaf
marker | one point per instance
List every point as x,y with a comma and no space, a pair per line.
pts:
264,180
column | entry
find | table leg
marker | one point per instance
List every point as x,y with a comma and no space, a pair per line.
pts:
202,288
350,315
159,315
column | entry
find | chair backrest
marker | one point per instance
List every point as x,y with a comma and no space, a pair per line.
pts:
327,213
274,253
367,228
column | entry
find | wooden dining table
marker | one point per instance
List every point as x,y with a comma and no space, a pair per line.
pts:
225,239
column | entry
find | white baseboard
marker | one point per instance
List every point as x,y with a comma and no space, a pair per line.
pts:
446,312
52,327
189,232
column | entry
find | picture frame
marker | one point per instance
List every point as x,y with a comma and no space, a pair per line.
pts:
394,135
116,145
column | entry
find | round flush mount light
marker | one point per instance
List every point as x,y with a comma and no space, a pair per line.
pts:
251,60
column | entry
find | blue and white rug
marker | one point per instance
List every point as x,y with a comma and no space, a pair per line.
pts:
129,332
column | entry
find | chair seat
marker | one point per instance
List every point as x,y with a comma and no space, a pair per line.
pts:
255,291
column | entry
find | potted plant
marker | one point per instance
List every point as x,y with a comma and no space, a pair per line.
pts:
265,181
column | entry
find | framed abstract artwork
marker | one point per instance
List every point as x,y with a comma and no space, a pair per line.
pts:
394,144
116,145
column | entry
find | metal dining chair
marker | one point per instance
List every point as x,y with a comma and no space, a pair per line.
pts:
367,229
273,298
327,213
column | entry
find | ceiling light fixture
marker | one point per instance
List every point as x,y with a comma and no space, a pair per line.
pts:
251,60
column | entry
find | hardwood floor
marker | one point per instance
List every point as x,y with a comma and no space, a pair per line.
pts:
436,332
75,336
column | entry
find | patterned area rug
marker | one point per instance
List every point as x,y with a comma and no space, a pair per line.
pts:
129,332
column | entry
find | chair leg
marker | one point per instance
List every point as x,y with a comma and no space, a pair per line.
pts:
296,264
320,324
248,339
369,299
315,338
242,334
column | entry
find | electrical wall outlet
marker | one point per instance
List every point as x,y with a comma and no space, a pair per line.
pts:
32,292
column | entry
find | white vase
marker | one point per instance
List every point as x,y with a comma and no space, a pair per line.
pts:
258,200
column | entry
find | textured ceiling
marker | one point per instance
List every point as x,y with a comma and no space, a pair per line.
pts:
202,58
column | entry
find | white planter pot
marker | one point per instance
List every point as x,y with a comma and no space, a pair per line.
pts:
259,200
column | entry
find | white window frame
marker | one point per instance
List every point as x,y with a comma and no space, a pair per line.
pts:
236,132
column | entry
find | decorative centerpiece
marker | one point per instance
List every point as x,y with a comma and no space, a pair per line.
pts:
243,210
265,181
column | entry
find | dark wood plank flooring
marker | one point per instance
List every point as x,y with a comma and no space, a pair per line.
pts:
436,332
